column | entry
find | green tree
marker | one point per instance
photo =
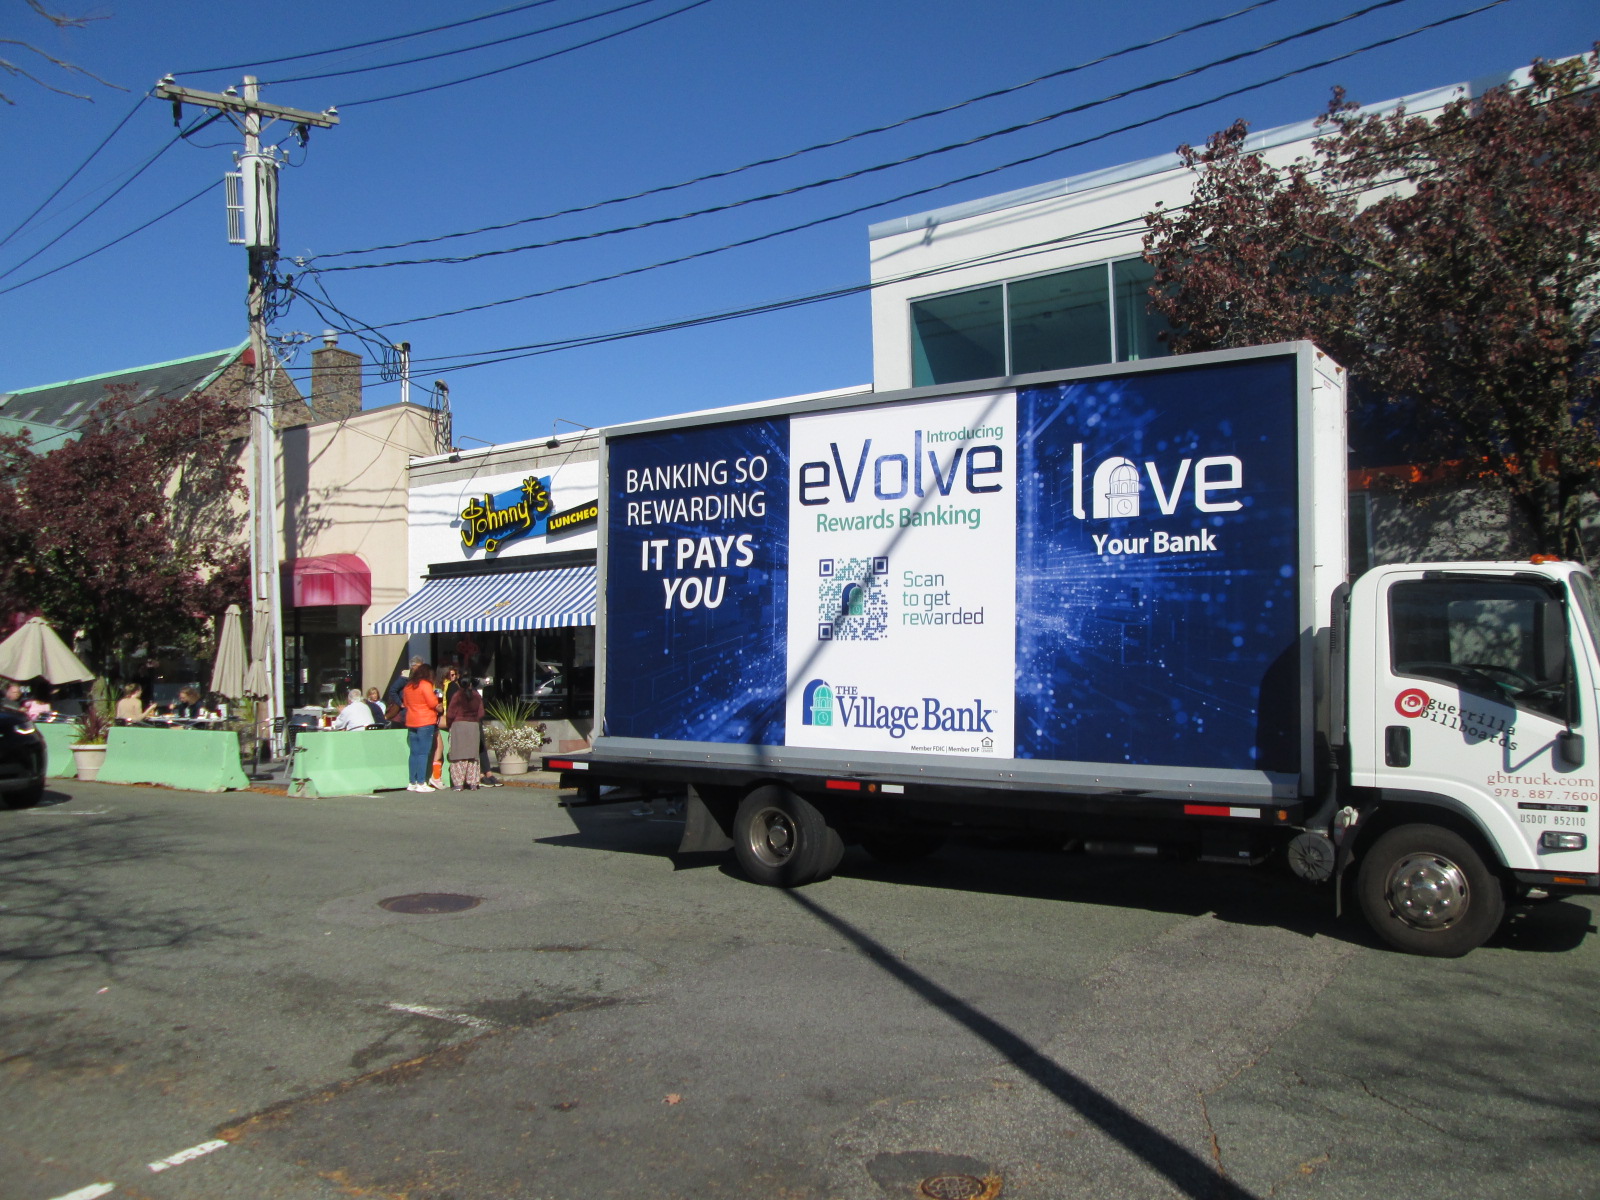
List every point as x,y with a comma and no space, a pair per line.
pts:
1450,263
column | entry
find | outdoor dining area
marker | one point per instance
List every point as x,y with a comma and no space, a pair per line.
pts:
213,745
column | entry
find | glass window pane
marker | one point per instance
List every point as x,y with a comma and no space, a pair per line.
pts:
1138,328
1060,321
958,337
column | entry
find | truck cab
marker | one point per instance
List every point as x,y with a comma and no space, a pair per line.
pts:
1471,699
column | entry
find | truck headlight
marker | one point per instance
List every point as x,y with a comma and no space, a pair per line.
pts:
1551,840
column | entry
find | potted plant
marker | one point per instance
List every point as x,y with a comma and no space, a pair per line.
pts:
89,748
506,731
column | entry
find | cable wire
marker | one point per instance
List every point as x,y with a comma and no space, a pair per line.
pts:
605,37
875,168
762,237
78,170
839,141
114,241
516,37
148,163
394,37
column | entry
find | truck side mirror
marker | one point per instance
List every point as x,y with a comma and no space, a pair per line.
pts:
1552,640
1570,746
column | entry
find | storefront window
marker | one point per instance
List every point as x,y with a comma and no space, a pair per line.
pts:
1059,321
321,654
552,667
958,337
1138,329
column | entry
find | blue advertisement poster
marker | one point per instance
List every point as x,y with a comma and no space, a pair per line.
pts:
1157,562
697,584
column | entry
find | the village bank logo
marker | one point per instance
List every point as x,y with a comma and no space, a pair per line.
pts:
824,704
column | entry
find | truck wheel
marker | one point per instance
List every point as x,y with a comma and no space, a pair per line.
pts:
781,840
901,847
1425,890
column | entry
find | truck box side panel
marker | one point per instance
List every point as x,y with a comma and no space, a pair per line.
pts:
1091,569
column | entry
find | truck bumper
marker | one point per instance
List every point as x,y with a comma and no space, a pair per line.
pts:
1560,883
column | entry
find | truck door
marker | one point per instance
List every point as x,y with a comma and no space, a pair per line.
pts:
1479,689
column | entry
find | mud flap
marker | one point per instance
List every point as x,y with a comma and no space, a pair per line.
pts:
702,832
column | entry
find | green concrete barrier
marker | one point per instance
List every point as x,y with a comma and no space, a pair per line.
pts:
196,760
59,738
351,762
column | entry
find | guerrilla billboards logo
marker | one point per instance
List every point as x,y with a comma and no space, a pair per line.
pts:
1416,704
826,705
1116,493
853,599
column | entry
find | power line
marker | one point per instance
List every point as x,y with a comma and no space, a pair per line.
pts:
766,162
147,164
182,204
762,237
1072,110
516,37
605,37
394,37
78,170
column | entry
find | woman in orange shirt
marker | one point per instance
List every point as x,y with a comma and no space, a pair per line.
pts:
422,723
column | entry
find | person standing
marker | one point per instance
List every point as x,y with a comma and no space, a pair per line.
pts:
464,723
422,724
447,682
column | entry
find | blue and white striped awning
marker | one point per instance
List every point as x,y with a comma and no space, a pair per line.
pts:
475,603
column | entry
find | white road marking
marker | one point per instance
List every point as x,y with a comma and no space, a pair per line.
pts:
88,1193
439,1014
183,1156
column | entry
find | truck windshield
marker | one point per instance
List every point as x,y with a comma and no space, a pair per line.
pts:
1484,636
1588,603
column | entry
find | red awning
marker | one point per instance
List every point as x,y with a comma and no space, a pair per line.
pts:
331,579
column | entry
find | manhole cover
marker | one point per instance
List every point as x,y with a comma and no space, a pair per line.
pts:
419,903
954,1187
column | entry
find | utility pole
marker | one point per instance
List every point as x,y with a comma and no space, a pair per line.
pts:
259,233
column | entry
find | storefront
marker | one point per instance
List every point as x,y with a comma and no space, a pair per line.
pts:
502,545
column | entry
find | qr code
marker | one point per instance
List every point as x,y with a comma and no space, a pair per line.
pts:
853,599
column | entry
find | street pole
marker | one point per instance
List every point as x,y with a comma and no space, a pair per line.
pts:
259,195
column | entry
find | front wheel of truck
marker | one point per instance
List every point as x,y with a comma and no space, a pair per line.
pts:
1425,890
781,840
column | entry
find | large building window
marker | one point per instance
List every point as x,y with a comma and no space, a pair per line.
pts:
1077,318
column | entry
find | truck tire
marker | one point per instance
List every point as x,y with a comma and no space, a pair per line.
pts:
781,840
1425,890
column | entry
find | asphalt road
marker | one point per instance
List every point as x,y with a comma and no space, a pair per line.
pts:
207,985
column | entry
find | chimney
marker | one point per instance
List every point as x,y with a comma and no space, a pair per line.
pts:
335,381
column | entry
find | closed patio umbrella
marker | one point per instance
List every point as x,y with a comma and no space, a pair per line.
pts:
256,682
227,675
36,650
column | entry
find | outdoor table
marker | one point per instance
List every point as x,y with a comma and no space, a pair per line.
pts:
196,760
349,762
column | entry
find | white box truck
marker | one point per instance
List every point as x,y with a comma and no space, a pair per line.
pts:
1109,608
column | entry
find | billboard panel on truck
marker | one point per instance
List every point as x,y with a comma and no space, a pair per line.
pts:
1103,569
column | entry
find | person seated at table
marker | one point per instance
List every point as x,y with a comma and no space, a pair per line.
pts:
188,707
355,714
375,703
11,698
132,709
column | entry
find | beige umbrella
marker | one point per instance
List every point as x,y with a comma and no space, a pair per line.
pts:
227,673
36,650
256,682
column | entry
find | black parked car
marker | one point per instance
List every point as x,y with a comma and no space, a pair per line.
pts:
22,760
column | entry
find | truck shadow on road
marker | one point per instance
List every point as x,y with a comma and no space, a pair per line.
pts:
1262,896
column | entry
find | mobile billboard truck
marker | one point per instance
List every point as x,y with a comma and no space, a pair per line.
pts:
1109,607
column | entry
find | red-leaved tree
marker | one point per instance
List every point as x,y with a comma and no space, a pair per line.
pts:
1451,263
133,533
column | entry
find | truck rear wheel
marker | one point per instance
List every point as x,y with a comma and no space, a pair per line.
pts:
1425,890
781,840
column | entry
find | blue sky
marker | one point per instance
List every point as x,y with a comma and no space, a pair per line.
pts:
716,86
